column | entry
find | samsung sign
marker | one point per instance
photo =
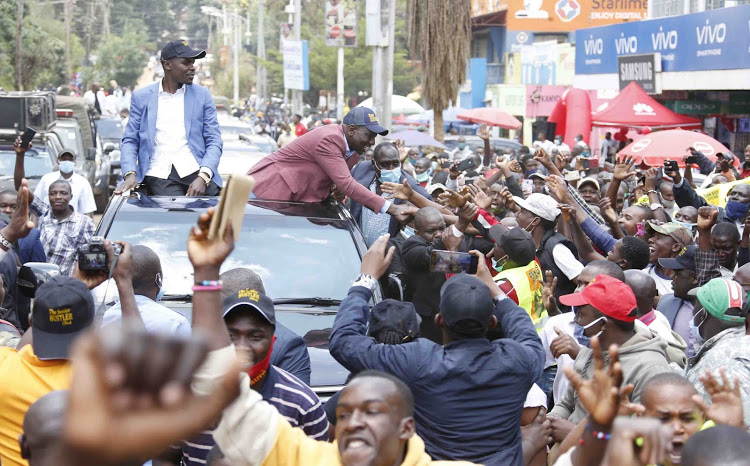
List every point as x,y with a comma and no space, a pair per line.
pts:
643,69
713,40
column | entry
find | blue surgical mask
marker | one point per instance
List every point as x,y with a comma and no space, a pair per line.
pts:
160,294
695,330
736,210
462,145
582,328
160,285
390,176
434,166
687,225
582,339
408,231
67,166
422,177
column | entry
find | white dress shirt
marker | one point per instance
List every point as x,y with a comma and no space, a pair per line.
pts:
156,318
170,145
83,197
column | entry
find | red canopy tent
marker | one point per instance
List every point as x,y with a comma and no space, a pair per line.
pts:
633,108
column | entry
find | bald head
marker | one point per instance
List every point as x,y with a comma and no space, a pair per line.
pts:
240,279
147,274
644,288
426,214
429,224
42,428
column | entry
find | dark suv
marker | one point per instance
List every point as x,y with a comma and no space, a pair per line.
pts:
307,254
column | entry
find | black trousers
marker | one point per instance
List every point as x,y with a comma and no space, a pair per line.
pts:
176,186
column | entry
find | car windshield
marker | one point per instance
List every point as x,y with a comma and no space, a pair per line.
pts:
235,130
110,128
37,163
264,146
70,138
295,256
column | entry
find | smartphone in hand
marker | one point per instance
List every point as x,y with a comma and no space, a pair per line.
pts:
453,262
670,165
26,137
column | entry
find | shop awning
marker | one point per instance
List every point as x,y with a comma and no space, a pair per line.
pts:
633,108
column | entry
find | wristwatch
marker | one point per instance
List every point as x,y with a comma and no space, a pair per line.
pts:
497,299
367,281
204,176
5,243
655,206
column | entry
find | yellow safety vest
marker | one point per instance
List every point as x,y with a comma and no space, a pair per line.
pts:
527,282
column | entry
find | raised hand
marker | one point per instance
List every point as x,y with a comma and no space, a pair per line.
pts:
401,191
515,166
204,252
543,157
483,132
377,259
559,189
136,388
480,198
607,211
622,449
548,292
483,273
707,216
20,226
454,199
401,146
600,395
627,407
568,212
510,203
564,344
123,268
726,399
20,150
624,168
652,176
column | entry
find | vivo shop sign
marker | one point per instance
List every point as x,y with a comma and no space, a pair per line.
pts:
713,40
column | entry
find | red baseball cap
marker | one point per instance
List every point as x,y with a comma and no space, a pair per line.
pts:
608,295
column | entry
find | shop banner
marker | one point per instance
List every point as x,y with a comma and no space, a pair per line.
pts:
641,69
693,107
712,40
515,39
570,15
508,98
717,195
539,63
341,23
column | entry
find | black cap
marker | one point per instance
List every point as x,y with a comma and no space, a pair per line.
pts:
399,316
254,299
518,243
685,259
63,308
466,304
363,116
181,49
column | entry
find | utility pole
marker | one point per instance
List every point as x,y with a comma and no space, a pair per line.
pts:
297,94
260,71
340,86
19,59
236,64
69,4
382,68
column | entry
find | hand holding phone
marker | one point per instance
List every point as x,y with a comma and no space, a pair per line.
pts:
26,137
453,262
670,166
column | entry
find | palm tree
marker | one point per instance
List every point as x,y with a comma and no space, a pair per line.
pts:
440,33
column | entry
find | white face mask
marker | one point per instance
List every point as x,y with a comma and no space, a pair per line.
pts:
67,166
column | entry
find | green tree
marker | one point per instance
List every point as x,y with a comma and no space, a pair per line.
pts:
121,58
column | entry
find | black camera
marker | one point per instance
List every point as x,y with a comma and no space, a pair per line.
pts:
93,256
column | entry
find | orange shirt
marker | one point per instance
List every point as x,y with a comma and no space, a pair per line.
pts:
25,379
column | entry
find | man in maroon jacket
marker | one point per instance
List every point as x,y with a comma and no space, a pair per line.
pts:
307,168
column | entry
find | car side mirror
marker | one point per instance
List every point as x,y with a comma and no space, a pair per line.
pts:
108,147
91,154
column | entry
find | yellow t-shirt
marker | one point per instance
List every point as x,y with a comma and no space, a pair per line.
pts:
25,379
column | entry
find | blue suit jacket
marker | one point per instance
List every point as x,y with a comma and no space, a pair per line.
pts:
201,128
364,173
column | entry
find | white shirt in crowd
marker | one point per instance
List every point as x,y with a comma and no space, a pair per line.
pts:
156,318
564,322
83,196
663,284
566,261
171,145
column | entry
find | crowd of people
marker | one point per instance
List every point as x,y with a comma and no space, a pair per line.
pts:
603,319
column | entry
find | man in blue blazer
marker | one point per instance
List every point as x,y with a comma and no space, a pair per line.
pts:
172,143
385,166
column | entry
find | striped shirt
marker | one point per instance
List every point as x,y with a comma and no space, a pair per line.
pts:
294,400
61,238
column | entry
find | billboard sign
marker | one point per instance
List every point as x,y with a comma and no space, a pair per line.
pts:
643,69
341,23
296,70
570,15
712,40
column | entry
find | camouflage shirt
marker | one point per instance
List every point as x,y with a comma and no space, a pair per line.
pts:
729,350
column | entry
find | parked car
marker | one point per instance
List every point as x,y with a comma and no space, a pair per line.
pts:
110,131
306,253
40,159
231,128
239,157
93,162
